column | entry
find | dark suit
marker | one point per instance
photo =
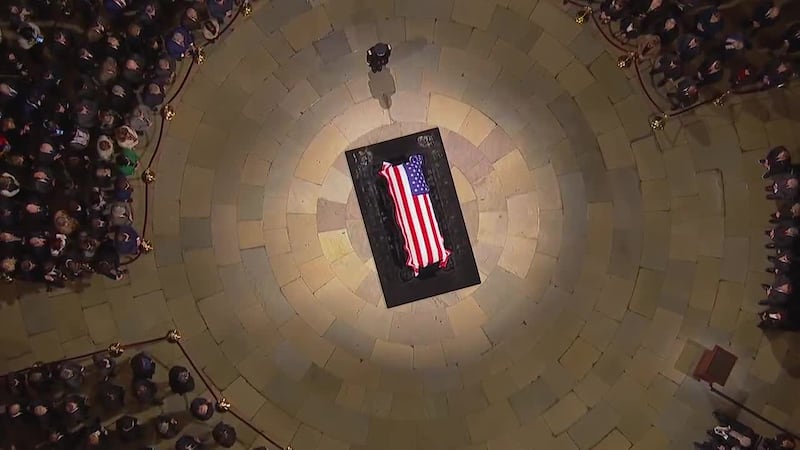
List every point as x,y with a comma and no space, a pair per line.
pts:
707,28
180,380
188,443
194,408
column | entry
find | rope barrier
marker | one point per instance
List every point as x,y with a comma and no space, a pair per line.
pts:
167,113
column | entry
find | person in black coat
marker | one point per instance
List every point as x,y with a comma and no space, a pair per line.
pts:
167,427
111,396
779,293
777,161
105,364
709,23
791,38
787,212
783,235
766,14
670,66
145,391
710,71
143,366
224,435
686,94
201,409
785,188
181,381
71,374
128,428
188,442
378,56
776,73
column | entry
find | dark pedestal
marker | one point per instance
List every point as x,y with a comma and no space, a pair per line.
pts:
715,366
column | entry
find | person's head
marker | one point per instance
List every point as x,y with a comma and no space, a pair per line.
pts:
33,208
5,89
37,241
210,27
202,409
178,38
27,265
113,42
71,407
98,223
7,237
104,145
106,117
94,438
792,182
102,172
15,159
163,426
154,89
14,409
39,410
715,17
131,64
164,64
670,24
191,14
134,30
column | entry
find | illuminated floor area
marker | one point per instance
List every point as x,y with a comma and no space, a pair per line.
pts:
610,254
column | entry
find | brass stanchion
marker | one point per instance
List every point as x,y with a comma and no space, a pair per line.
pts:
200,55
657,122
720,100
173,336
580,18
248,9
149,176
625,61
116,349
146,246
223,405
168,112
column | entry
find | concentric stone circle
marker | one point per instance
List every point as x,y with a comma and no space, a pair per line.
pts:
608,253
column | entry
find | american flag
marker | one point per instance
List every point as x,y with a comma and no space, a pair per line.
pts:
424,244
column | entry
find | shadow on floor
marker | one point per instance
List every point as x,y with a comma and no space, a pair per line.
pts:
382,86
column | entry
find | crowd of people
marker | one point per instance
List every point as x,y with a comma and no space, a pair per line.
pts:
70,406
80,84
782,311
731,434
693,44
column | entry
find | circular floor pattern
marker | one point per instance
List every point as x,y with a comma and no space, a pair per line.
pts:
609,254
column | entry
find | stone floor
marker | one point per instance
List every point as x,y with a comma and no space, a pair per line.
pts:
610,254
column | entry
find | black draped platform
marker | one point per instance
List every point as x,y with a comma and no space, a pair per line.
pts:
397,280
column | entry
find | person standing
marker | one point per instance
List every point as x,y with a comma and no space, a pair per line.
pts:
378,56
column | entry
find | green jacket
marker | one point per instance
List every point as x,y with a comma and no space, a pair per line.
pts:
133,159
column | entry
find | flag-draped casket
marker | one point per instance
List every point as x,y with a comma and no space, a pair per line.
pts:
414,214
